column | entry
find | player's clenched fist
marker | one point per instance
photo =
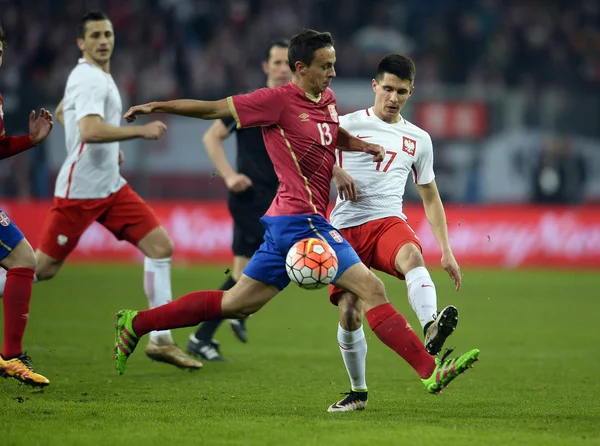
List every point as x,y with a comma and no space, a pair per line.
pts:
153,130
238,183
144,109
376,150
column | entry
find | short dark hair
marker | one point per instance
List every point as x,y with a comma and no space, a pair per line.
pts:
92,16
3,36
304,44
398,65
279,43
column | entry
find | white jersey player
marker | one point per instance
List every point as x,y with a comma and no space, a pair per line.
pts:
90,188
90,170
408,152
376,227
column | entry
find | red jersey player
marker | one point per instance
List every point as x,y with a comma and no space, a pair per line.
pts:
301,132
89,186
17,257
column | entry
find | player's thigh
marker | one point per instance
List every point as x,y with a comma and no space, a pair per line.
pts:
15,250
246,297
66,222
130,218
397,248
360,281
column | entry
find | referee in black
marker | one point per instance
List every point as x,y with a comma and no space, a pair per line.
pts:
251,191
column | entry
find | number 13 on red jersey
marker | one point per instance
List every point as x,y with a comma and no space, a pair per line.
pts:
325,133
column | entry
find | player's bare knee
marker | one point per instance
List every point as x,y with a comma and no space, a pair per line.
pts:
167,248
415,259
46,272
408,258
371,292
374,293
235,308
46,266
241,312
162,249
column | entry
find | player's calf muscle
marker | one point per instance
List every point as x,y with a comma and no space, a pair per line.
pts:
351,313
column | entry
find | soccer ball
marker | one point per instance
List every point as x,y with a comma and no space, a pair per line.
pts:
311,263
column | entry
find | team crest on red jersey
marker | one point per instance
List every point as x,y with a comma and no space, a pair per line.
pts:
336,236
333,112
1,112
4,220
409,146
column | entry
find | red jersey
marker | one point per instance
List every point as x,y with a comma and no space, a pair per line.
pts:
300,134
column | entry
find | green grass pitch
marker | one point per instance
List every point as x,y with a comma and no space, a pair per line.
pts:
536,383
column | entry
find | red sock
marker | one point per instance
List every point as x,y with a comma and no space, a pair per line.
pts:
17,294
394,331
187,311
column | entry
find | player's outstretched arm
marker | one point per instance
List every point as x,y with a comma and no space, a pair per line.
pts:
349,143
94,130
436,216
183,107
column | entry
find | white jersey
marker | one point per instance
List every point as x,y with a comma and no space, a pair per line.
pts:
90,170
380,186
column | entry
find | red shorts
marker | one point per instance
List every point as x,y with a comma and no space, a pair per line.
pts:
123,213
377,244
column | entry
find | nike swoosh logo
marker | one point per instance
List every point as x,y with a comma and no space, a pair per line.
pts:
425,286
363,137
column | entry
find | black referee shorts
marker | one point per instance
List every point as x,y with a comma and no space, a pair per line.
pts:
246,209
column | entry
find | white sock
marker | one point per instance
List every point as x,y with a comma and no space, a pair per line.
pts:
353,346
157,285
421,294
3,280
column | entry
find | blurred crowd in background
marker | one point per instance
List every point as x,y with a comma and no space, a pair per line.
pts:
212,48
